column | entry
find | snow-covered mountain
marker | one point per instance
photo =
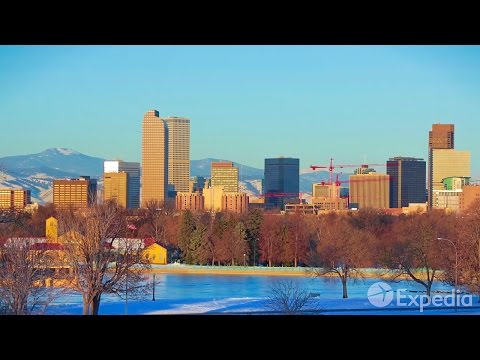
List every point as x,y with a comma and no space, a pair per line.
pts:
37,171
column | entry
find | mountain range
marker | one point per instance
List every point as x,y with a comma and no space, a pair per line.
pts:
37,171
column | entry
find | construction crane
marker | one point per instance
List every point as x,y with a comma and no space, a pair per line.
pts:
331,167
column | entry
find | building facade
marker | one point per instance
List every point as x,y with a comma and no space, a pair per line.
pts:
213,198
235,202
469,194
282,182
178,152
14,198
193,201
115,187
446,199
75,193
154,158
447,163
223,173
133,179
370,190
442,136
407,181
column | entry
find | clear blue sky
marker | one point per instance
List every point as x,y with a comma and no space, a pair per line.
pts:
245,102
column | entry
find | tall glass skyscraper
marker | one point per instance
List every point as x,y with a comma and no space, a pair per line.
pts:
407,181
282,182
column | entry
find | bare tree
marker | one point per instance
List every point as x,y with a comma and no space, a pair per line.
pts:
24,276
467,242
341,250
415,246
287,297
97,267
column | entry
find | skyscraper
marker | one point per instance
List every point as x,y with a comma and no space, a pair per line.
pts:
132,169
440,137
154,158
178,152
407,181
223,173
447,163
282,182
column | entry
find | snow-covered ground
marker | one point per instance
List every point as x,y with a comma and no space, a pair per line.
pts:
238,294
253,306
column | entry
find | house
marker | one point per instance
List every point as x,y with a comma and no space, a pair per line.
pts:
154,253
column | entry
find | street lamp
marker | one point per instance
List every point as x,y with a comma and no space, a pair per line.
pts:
456,267
153,295
244,260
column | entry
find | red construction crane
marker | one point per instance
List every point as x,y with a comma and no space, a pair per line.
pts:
331,167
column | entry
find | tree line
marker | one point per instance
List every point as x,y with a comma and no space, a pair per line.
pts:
341,244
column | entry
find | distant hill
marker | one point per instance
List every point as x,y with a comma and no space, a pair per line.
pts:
37,172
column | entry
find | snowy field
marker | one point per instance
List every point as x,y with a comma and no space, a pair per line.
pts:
243,295
254,306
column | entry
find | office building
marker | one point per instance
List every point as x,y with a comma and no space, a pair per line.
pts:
407,181
115,187
223,173
447,163
178,153
154,158
282,182
370,190
132,169
440,137
75,193
14,198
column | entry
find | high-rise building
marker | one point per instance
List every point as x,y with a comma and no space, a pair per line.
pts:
407,181
370,190
223,173
115,187
178,152
282,182
446,163
440,137
132,169
154,158
76,193
14,198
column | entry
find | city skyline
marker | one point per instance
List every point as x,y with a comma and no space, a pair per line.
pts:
246,103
